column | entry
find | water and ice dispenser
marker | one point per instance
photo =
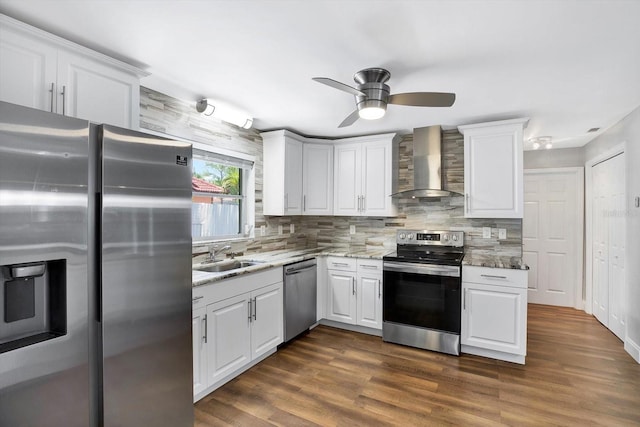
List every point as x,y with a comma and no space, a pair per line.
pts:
32,303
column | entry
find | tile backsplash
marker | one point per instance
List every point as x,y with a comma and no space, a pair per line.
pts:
162,113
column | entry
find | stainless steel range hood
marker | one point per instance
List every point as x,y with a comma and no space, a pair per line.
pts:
427,165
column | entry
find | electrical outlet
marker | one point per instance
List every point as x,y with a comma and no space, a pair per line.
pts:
280,229
263,230
292,228
352,229
486,232
502,233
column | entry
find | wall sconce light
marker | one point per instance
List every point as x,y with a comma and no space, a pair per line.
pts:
222,112
541,141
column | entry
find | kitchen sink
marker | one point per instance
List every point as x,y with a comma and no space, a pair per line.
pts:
226,265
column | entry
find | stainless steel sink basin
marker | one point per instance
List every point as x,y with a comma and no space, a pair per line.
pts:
226,265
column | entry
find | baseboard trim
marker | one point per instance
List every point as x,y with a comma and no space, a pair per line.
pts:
632,348
349,327
492,354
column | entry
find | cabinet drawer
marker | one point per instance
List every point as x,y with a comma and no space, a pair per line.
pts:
341,263
369,266
198,299
495,276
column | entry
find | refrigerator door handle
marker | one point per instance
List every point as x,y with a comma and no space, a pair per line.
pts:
98,255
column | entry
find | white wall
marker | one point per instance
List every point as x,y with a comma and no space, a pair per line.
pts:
556,158
627,130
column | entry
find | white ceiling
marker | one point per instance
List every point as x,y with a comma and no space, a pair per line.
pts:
567,65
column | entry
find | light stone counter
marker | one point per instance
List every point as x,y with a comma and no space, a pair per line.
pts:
514,263
279,258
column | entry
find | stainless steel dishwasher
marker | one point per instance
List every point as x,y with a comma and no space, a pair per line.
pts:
299,297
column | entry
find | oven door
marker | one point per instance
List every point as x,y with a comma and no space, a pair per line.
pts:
423,295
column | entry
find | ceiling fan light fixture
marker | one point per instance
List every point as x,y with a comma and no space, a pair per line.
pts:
371,113
540,141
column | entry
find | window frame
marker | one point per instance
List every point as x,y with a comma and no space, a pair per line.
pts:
247,190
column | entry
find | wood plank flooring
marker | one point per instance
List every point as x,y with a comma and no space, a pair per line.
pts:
577,373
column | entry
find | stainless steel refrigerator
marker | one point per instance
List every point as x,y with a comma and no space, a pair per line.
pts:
95,274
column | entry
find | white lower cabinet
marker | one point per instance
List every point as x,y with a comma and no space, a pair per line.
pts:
494,314
354,291
236,323
198,328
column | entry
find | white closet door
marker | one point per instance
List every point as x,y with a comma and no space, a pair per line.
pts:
616,217
609,210
550,234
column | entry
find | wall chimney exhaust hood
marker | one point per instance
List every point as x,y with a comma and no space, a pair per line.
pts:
427,165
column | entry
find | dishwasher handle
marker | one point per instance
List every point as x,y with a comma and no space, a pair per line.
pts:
294,270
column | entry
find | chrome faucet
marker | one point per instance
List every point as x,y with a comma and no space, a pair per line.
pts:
213,251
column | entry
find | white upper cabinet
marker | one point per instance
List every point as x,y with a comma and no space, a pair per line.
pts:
493,171
317,179
42,71
282,187
363,176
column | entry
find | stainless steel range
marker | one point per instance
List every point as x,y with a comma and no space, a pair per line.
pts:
422,290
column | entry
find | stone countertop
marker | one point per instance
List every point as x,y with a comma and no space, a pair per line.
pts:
493,261
279,258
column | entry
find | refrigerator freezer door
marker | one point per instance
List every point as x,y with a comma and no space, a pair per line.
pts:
146,280
44,374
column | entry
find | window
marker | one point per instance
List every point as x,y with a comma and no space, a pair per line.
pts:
221,185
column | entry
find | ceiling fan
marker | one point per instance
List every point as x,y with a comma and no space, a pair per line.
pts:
372,95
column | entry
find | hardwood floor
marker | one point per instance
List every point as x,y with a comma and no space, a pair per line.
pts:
577,373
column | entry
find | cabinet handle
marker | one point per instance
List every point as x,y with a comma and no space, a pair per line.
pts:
197,298
369,266
491,276
379,288
464,300
353,286
466,199
53,95
64,97
364,203
342,264
250,301
304,203
255,308
204,320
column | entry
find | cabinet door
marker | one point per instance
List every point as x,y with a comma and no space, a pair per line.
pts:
495,318
317,180
347,179
94,91
228,336
199,330
376,179
293,177
27,71
369,301
341,300
267,324
493,173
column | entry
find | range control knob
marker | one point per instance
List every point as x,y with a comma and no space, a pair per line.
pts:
402,236
455,238
445,237
410,236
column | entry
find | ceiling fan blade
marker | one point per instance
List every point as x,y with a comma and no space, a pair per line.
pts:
351,119
340,86
423,99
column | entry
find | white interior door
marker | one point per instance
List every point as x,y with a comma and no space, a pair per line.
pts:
608,257
552,235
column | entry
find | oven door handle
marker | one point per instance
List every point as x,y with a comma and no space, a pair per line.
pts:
410,267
